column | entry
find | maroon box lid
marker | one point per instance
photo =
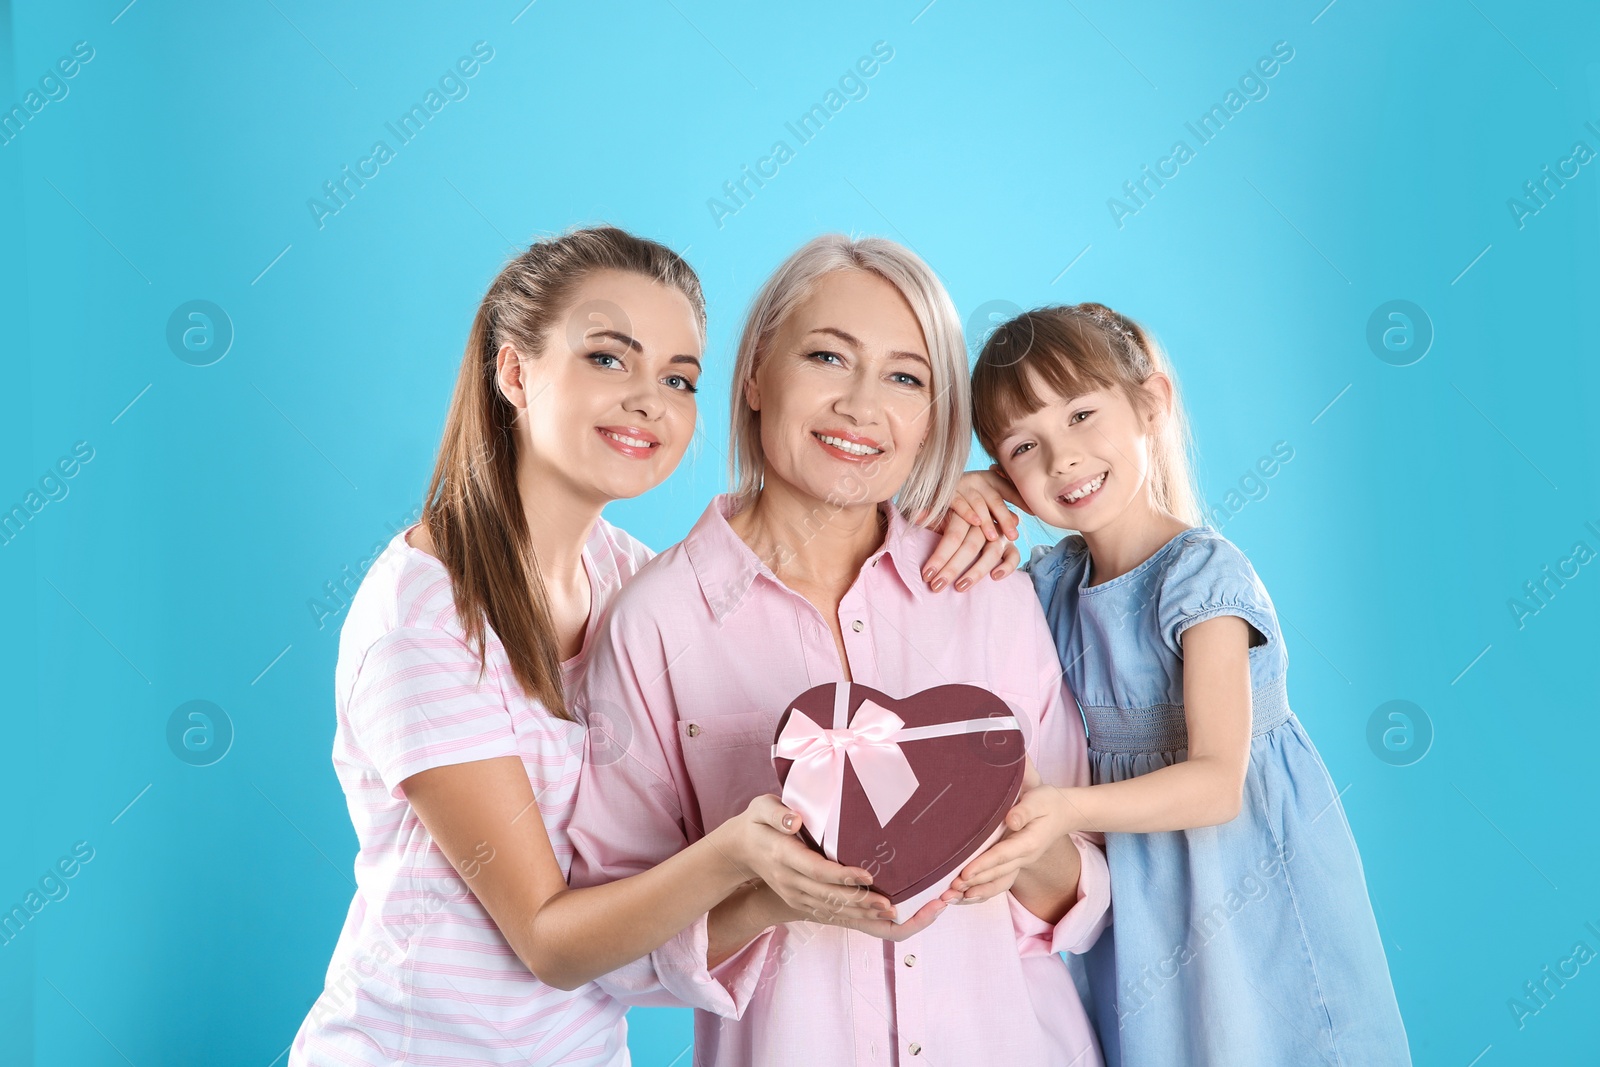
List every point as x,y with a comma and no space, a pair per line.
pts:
966,782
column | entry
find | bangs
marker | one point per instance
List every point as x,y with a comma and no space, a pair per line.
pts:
1048,347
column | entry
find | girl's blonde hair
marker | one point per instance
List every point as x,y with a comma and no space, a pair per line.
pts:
1076,350
943,457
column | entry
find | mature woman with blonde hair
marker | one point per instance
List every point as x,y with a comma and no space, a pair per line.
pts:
850,415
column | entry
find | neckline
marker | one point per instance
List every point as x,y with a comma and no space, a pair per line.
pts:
895,529
589,625
1083,582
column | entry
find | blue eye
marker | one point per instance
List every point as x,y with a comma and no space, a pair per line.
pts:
599,358
902,378
825,356
683,384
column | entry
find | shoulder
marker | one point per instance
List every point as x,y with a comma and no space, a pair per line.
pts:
1205,575
1203,554
1050,565
618,550
402,624
657,587
405,588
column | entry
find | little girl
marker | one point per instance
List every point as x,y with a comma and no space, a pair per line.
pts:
1243,933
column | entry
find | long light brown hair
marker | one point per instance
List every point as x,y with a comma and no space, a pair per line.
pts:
473,509
1075,350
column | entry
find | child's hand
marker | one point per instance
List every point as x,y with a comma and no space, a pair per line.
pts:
1036,822
972,543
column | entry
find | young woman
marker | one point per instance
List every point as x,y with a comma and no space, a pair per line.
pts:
850,413
456,745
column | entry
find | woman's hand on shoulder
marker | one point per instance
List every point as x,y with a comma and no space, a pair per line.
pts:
977,534
762,841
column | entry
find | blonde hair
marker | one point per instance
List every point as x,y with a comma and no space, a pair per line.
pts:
1076,350
473,508
940,462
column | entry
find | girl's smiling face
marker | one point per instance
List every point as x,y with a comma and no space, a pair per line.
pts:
1080,461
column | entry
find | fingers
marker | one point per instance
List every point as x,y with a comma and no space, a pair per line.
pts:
1034,803
1020,847
919,922
963,507
958,568
835,910
889,930
1003,867
772,811
820,869
988,488
1006,488
989,890
937,572
991,554
1010,560
837,906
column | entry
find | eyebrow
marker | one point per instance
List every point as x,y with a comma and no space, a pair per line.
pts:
635,346
850,339
616,335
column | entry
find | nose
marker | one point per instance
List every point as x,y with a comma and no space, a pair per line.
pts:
1061,458
859,400
644,399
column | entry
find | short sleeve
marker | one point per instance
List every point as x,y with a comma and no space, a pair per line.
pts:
418,703
1208,577
1044,566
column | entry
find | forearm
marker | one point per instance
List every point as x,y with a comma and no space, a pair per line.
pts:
1049,887
742,917
1197,792
579,934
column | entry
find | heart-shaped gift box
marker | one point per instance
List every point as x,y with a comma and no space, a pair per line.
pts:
911,789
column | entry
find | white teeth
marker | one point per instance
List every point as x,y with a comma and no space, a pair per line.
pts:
1074,497
631,441
849,446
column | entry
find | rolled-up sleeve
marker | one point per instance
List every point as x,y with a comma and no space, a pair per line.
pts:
1083,923
630,814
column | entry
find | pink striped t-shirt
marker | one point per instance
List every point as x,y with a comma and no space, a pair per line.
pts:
421,974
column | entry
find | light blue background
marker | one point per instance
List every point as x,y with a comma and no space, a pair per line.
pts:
182,561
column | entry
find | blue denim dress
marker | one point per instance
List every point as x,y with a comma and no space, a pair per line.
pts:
1249,943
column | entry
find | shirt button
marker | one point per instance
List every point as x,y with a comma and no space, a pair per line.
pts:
857,625
915,1049
693,730
911,959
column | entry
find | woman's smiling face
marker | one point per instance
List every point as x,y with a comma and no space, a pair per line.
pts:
843,392
609,405
1080,461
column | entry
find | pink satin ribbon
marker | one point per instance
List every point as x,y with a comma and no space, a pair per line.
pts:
817,777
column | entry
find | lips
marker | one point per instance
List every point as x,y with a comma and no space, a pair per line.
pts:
847,446
631,441
1080,493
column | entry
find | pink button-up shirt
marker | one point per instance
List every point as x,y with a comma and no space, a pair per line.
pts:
691,670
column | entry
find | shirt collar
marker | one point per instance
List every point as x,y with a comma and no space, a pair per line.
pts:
726,568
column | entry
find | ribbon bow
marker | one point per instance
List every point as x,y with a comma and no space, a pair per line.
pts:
817,777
